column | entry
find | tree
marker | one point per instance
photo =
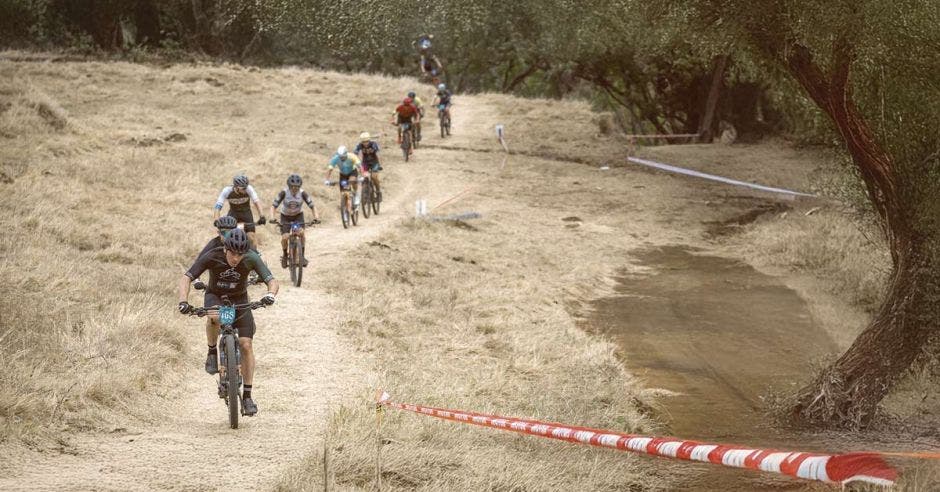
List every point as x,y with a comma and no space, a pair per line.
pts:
871,67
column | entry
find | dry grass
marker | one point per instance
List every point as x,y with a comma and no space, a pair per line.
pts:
103,166
454,322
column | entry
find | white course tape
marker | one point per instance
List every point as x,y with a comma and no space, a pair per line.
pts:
712,177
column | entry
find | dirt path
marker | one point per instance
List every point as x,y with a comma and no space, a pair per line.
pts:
303,369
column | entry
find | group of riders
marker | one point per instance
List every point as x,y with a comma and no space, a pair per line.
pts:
231,257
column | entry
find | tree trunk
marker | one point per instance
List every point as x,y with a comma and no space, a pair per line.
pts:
718,74
849,391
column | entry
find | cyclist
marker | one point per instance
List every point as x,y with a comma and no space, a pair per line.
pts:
349,169
293,198
228,268
429,64
418,103
368,151
406,112
443,97
241,197
223,225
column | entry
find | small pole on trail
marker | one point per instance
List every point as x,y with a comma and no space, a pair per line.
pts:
326,463
379,411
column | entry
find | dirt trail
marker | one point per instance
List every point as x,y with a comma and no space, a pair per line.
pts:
304,367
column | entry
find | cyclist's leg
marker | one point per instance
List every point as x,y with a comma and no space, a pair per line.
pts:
245,324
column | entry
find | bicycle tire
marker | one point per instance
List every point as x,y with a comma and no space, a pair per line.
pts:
298,252
355,216
375,200
291,259
406,144
344,212
231,378
441,120
447,125
366,197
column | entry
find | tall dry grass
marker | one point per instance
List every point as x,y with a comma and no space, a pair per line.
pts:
108,174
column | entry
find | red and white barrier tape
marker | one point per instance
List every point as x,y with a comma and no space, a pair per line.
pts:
837,468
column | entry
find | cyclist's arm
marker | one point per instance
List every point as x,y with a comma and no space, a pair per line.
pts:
219,202
255,201
264,273
309,200
329,170
184,288
199,266
277,202
422,63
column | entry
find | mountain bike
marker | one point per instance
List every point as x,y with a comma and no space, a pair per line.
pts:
370,196
443,116
407,139
348,211
295,249
230,378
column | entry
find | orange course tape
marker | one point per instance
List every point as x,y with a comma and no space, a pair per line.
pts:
835,468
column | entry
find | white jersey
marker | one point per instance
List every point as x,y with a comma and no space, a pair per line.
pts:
238,202
292,205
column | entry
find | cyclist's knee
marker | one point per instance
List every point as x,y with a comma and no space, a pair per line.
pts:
245,344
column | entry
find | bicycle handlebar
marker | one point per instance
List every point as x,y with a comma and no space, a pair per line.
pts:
312,222
205,311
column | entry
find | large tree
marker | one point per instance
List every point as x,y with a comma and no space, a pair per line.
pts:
872,67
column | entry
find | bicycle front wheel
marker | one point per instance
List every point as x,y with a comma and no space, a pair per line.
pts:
344,212
297,251
292,261
366,198
406,144
231,379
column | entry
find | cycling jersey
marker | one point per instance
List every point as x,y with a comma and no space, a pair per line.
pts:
406,111
213,243
444,97
293,204
238,201
225,279
346,167
369,151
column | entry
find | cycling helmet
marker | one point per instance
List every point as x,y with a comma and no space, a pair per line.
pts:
441,87
407,100
365,137
412,94
341,151
425,44
240,181
237,241
294,180
225,223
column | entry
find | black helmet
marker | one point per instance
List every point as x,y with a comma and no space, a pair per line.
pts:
237,241
294,180
411,94
240,181
225,223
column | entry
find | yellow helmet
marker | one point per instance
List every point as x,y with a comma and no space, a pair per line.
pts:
364,137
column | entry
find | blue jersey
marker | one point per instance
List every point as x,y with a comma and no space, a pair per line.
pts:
346,167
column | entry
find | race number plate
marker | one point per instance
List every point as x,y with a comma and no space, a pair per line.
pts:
226,315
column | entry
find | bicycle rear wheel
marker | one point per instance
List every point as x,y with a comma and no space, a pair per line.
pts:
292,258
231,379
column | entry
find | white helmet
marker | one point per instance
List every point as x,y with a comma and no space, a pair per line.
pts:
364,137
441,87
341,151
